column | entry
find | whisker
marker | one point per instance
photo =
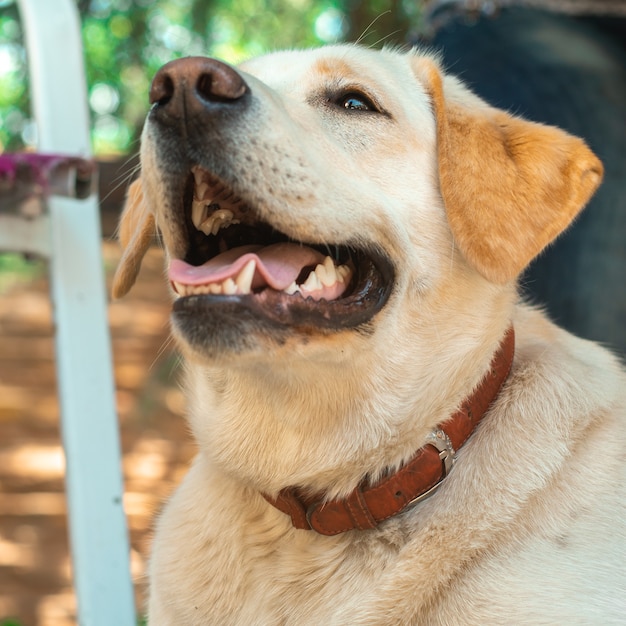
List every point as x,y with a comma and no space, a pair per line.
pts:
366,31
395,32
161,351
124,177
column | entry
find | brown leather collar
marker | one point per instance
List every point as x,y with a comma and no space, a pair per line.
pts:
368,505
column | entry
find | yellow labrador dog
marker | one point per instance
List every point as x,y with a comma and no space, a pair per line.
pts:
386,435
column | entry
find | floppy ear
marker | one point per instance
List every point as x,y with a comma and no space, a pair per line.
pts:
509,186
137,227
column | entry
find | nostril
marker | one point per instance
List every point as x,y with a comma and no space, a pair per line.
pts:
162,89
204,87
217,82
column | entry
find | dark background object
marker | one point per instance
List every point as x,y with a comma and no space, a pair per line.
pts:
569,72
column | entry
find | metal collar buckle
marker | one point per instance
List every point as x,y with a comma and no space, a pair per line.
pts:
440,440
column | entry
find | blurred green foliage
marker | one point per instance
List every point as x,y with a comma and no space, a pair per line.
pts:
16,269
126,41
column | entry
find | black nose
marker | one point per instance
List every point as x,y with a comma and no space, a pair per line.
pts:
186,87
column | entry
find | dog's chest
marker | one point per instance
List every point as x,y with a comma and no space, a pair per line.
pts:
310,584
266,582
212,558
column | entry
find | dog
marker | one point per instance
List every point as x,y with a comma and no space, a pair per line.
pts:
387,434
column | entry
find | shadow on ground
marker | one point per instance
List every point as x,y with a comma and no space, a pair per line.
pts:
35,567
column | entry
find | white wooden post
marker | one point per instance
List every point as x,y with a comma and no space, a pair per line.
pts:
98,532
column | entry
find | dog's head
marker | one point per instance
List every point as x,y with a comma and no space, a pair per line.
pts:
308,194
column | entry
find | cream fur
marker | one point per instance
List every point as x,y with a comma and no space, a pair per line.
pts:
530,526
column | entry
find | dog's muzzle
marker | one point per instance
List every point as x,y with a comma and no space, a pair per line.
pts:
235,271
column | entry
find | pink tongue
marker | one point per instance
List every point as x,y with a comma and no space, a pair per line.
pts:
277,265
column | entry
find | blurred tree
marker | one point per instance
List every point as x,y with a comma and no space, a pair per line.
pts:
15,124
126,41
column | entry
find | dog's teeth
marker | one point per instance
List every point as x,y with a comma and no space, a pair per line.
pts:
324,275
293,288
244,279
312,283
241,285
327,273
206,226
229,287
222,218
226,217
197,175
343,273
200,191
198,213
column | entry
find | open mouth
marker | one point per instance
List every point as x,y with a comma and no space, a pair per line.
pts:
234,257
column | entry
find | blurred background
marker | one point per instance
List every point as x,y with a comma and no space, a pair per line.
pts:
126,41
558,61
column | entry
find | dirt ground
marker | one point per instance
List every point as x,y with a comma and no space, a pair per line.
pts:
35,566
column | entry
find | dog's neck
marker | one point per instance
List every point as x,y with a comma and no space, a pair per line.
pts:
368,505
